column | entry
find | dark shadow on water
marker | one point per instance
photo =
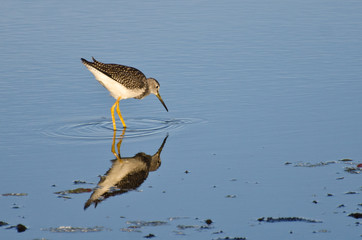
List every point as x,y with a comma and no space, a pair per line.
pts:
126,173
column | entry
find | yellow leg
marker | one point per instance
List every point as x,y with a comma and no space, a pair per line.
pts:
120,142
117,154
112,113
119,113
113,143
116,104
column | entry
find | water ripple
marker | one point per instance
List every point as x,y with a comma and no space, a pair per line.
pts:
102,129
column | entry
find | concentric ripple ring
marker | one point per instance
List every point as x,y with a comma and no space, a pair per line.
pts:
102,129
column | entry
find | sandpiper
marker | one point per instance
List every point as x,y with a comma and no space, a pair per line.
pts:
123,82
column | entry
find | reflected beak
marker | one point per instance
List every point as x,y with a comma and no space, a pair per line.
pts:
160,98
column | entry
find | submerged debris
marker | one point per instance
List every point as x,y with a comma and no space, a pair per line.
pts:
301,164
3,223
183,227
351,192
129,229
66,229
177,218
149,236
196,227
14,194
321,231
140,224
15,206
180,233
19,228
287,219
74,191
231,238
353,170
135,226
356,215
346,160
79,182
230,196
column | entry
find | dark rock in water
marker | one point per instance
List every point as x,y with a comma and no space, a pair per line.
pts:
232,238
3,223
355,215
208,221
21,228
149,236
287,219
346,160
79,182
351,192
230,196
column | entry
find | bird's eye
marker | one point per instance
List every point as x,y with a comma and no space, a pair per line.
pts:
157,86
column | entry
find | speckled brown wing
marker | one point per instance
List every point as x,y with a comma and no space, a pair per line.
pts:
130,77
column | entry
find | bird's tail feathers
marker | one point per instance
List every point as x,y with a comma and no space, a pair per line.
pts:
84,61
89,63
94,60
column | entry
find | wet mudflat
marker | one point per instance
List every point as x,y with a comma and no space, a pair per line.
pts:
262,138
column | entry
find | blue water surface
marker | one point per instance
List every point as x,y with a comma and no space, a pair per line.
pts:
264,99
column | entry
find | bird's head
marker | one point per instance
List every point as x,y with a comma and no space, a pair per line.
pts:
154,87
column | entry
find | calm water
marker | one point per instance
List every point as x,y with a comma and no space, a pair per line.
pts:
250,87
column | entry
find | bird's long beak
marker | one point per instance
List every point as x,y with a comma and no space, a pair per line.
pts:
160,98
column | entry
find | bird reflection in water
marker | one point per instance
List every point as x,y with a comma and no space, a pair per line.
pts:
126,173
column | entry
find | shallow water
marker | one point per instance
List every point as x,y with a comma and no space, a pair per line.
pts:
255,92
99,129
